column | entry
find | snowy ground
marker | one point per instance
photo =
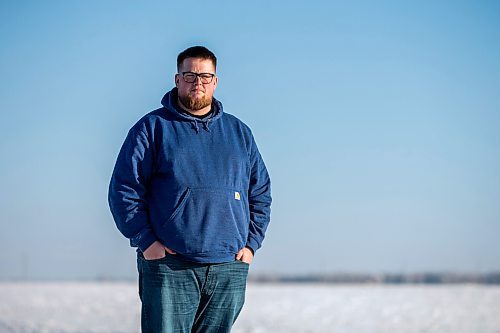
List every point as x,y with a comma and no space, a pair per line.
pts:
270,308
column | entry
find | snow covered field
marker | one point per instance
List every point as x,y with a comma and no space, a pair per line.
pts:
93,307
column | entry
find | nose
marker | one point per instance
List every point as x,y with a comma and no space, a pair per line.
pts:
197,81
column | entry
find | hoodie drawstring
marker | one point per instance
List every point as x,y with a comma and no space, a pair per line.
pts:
195,126
205,125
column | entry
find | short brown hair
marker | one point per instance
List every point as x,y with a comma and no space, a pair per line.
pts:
196,52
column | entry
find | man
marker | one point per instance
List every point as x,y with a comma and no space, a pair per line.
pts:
191,191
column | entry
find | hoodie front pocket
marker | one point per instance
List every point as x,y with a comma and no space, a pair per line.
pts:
208,220
181,204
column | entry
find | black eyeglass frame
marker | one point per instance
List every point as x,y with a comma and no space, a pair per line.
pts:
210,77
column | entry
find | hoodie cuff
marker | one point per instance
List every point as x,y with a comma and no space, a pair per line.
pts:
252,244
144,239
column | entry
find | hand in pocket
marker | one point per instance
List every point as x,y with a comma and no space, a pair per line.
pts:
156,251
245,255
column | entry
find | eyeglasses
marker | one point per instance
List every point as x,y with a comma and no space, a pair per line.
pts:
191,77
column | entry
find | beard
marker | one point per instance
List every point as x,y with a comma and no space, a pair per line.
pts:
193,103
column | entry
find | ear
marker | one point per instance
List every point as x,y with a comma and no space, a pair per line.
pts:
216,79
176,80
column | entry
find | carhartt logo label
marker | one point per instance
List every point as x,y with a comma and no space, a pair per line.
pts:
237,195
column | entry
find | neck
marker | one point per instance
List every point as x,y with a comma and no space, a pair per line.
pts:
200,112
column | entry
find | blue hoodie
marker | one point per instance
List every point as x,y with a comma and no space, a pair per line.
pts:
199,186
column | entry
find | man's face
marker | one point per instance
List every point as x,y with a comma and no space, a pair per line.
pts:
196,95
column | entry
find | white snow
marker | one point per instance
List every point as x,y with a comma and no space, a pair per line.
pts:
107,307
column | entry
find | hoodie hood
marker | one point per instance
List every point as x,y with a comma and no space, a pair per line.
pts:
169,101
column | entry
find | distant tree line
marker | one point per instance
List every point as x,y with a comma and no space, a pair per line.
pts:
389,278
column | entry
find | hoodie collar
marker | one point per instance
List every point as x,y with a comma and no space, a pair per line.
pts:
169,101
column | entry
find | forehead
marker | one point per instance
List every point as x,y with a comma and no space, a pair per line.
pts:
197,65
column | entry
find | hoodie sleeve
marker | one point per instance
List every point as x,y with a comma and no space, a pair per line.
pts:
259,198
128,189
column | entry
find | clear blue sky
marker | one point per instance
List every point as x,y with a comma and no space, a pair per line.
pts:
379,123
